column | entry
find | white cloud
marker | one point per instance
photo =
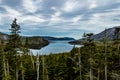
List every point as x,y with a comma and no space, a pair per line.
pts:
77,18
11,11
103,3
29,5
74,5
0,1
31,20
93,5
54,8
106,16
68,7
56,14
8,15
39,1
95,19
56,18
71,5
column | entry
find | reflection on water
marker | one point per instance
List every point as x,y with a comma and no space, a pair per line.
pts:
55,47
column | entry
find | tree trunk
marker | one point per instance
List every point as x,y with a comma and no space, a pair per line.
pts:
22,71
80,66
4,66
32,60
105,46
105,71
16,68
8,71
98,78
91,65
43,66
91,73
16,73
38,63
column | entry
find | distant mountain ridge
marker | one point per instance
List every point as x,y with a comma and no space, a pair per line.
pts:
110,32
35,42
57,38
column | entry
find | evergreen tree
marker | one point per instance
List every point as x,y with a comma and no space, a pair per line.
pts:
14,38
105,51
14,45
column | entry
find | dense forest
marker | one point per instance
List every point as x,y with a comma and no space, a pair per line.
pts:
91,61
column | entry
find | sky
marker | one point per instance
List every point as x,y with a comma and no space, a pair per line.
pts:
59,18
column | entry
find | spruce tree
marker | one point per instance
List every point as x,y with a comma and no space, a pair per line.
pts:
14,44
14,38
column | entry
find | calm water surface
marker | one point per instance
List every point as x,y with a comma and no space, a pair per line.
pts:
55,47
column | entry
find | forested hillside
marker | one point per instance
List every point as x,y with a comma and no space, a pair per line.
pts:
64,66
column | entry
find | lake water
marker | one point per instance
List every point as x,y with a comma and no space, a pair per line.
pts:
55,47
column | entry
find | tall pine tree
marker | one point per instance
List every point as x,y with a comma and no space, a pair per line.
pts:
14,45
14,38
